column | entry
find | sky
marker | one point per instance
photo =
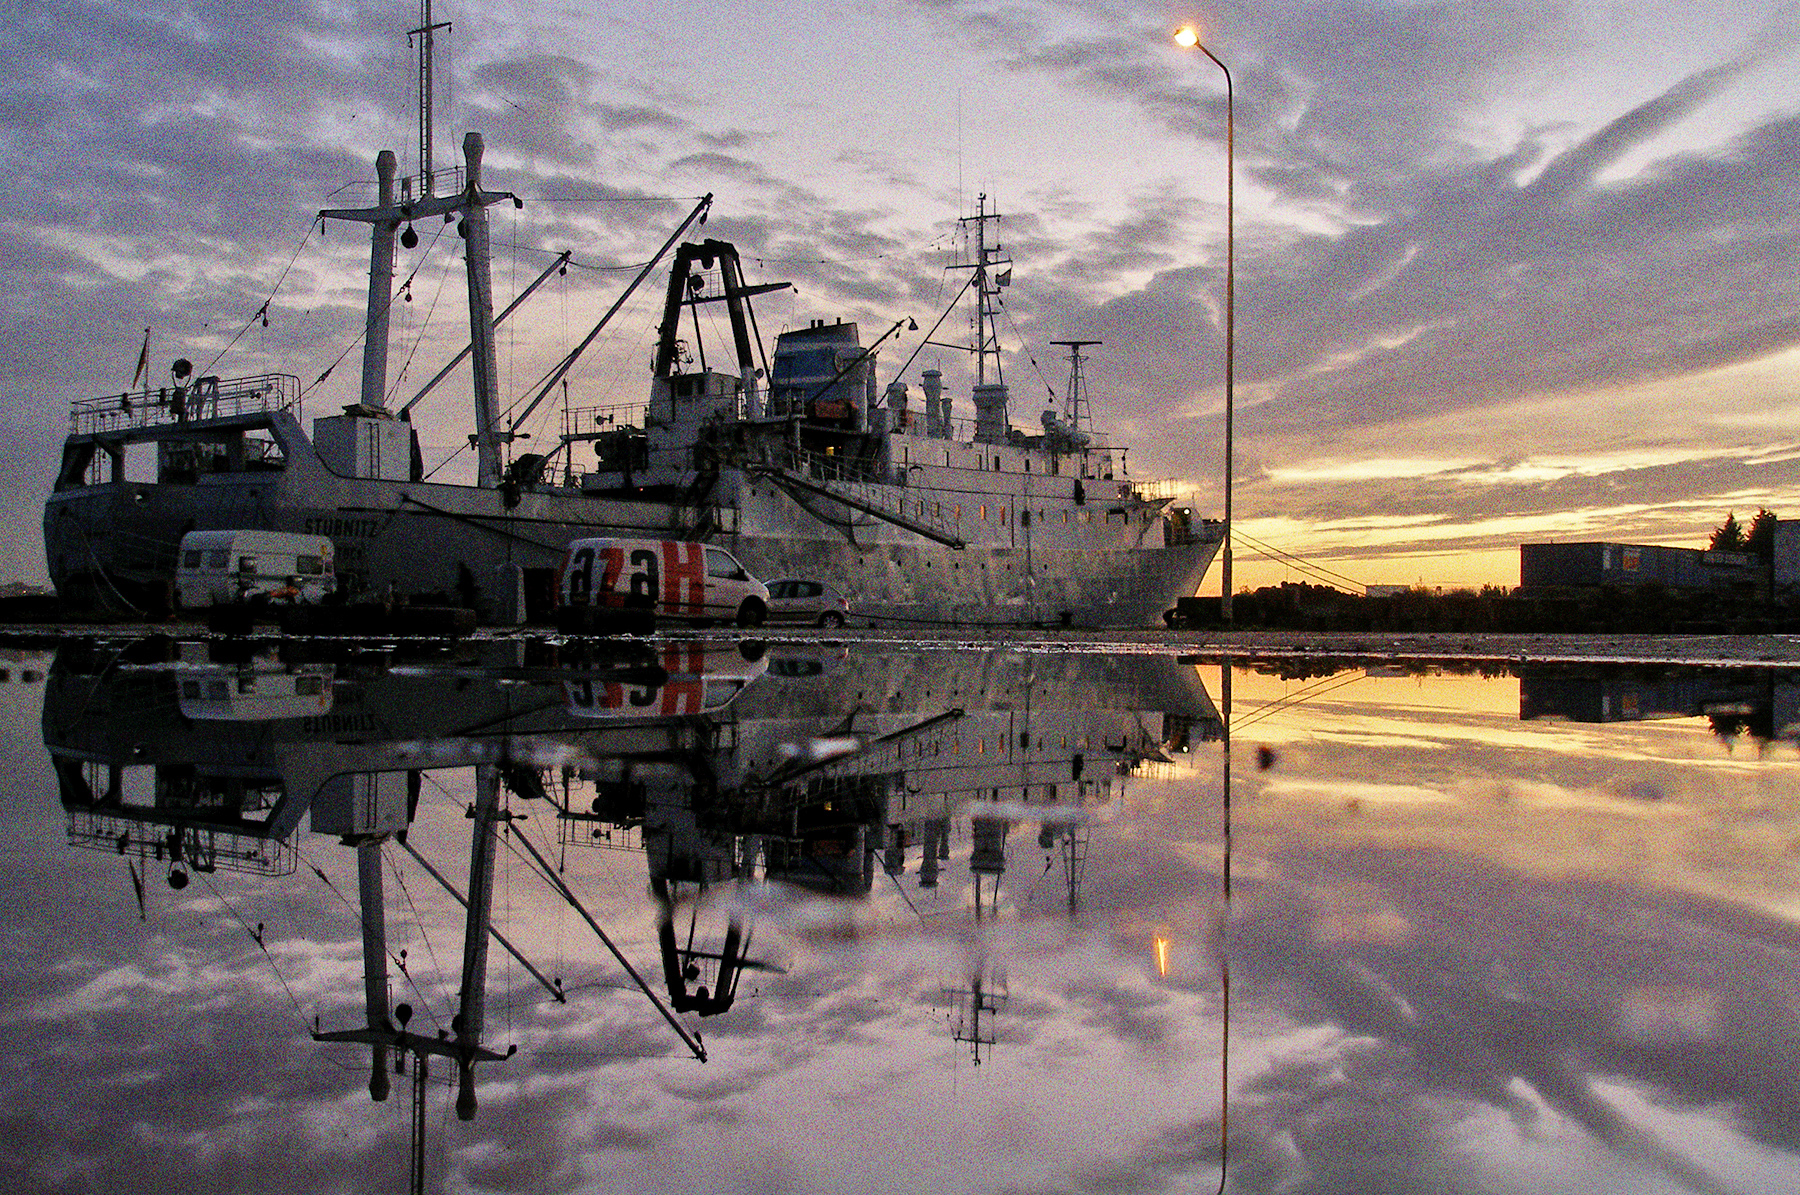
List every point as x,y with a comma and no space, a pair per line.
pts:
1503,273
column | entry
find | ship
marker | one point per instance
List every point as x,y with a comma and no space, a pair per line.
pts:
795,461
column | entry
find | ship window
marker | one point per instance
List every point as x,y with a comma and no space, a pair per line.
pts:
1065,515
984,512
246,564
309,686
190,689
1003,514
309,566
191,559
996,464
958,510
217,557
937,510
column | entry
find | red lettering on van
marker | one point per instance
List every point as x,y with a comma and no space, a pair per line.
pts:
684,659
684,569
612,560
682,695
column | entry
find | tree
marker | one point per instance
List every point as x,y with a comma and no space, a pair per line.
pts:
1727,536
1761,538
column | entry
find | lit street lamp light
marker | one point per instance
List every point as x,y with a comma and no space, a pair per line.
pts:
1188,38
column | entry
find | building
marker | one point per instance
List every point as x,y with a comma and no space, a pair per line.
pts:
1552,567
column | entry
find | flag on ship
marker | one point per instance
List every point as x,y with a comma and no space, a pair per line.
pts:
143,361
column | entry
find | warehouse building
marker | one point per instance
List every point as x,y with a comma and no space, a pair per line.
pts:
1549,568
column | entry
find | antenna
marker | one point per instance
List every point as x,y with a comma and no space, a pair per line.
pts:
1075,407
426,39
987,292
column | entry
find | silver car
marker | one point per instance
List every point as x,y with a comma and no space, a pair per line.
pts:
792,599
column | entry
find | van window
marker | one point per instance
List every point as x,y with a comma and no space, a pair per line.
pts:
718,564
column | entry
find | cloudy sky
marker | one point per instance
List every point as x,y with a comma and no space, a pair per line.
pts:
1505,272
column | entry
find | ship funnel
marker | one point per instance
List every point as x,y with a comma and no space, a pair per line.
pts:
990,413
937,407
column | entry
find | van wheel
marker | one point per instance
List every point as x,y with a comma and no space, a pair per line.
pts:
831,618
751,613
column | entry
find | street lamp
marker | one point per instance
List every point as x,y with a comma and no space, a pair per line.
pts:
1187,38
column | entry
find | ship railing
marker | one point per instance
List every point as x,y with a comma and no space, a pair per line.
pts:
203,398
204,848
586,423
961,430
1160,488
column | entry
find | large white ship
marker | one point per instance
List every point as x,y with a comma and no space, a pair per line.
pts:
796,463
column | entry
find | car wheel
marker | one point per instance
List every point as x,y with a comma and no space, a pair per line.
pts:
751,613
831,618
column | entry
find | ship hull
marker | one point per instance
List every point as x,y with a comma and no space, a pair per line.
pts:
114,545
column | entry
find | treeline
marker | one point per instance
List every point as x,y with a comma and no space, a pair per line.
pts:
1642,609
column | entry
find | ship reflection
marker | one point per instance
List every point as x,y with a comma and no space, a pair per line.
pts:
725,767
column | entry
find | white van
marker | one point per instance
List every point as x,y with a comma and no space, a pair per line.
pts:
223,568
695,582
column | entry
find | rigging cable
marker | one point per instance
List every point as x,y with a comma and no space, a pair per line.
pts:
256,935
1023,343
262,313
1315,689
1315,570
430,310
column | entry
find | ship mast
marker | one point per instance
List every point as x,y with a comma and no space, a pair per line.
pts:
425,43
987,292
471,204
1075,405
991,422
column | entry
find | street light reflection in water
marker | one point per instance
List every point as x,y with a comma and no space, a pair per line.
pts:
697,916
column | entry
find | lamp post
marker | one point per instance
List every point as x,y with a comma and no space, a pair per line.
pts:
1188,38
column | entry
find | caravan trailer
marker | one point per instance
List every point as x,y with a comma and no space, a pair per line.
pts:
246,565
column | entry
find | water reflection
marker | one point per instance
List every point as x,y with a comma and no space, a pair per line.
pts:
715,764
1488,931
